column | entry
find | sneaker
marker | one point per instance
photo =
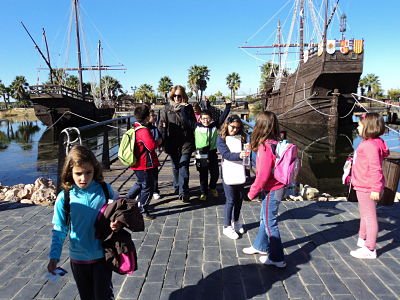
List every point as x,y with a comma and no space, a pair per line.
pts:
203,197
360,242
184,198
363,253
230,233
251,250
148,217
238,227
266,261
214,193
156,196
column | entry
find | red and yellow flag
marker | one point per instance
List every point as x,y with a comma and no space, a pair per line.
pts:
358,46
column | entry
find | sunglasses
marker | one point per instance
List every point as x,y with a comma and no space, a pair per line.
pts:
235,127
178,96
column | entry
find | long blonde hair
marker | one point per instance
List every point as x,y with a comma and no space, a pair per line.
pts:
266,128
77,156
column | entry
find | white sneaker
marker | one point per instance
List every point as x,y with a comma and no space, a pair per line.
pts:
252,250
360,242
266,261
238,227
156,196
230,233
363,253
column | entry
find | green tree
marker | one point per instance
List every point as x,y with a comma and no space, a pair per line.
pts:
269,71
233,82
110,87
18,88
164,86
197,80
394,94
59,77
372,84
5,94
145,93
72,82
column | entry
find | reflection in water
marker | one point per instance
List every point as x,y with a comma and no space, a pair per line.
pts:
323,153
20,132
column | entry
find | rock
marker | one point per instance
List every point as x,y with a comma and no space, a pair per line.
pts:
26,201
44,196
309,192
11,195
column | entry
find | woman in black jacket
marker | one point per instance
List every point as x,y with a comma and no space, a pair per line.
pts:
178,138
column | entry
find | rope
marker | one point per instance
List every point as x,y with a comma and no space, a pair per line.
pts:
328,115
362,106
374,100
298,104
69,112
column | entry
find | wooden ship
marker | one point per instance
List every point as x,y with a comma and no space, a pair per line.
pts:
56,103
319,90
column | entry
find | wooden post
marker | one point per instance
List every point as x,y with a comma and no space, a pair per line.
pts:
105,159
391,171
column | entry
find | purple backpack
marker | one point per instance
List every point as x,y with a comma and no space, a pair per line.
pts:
287,164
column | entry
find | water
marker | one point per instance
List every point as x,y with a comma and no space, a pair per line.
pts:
28,151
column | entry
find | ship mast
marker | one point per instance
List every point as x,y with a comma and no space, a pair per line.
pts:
100,64
78,45
301,29
325,24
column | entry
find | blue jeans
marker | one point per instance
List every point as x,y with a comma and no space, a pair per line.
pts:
180,169
144,188
268,238
233,204
93,280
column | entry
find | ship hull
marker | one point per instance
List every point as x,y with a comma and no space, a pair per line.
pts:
319,92
64,107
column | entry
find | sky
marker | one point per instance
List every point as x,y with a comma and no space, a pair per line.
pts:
156,38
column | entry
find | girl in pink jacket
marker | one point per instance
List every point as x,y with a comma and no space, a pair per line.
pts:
268,240
368,181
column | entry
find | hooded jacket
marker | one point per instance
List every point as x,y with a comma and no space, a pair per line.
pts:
366,173
145,146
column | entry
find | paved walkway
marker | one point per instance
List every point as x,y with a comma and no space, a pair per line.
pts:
183,254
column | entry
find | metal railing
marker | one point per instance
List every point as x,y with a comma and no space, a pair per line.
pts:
107,135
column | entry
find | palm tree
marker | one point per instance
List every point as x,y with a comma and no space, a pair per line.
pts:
164,86
72,82
372,84
110,87
18,88
197,80
233,82
59,77
145,92
5,93
269,70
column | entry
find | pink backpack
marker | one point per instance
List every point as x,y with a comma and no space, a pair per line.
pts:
287,164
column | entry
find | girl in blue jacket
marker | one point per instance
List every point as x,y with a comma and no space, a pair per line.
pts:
81,177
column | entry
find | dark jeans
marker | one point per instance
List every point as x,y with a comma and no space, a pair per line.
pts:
155,177
143,188
93,281
268,238
180,169
213,168
233,204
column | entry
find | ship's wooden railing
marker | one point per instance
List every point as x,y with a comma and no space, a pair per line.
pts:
51,89
110,132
